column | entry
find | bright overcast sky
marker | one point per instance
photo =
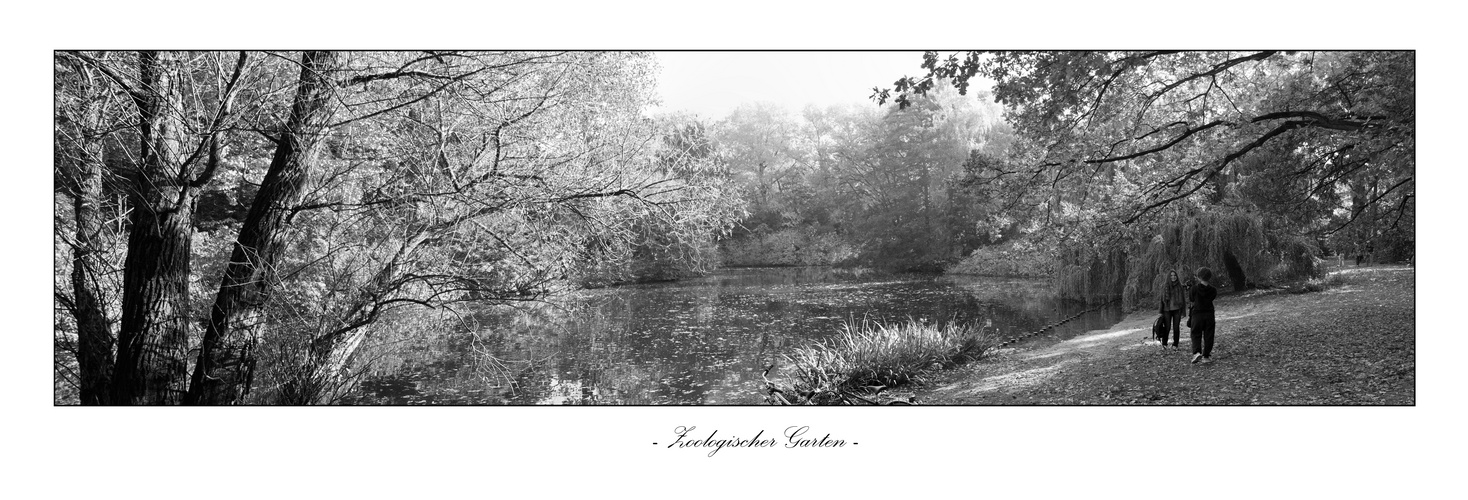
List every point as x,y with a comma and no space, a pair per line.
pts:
711,84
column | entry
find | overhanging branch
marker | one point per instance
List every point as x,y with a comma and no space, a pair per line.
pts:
1183,179
1362,209
1163,147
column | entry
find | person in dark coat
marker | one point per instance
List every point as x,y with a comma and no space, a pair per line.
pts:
1200,315
1172,304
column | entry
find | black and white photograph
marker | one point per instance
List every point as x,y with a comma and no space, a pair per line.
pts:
442,227
759,249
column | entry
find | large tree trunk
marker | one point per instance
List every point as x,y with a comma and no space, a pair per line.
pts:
83,180
94,336
1236,277
227,358
1360,236
1374,241
153,339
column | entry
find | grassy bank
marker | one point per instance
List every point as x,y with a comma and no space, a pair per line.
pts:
1347,339
867,357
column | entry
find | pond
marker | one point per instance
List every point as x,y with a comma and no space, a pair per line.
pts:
700,341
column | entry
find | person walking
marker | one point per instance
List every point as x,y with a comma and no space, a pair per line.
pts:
1200,315
1173,303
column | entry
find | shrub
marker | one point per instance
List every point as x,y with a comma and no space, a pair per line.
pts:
1017,259
802,246
1319,284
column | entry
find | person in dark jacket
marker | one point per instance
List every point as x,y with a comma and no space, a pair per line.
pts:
1173,302
1200,315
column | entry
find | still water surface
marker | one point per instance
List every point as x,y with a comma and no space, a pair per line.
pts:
696,341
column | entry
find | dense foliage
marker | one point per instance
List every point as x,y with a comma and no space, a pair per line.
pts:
1250,163
875,187
235,227
311,197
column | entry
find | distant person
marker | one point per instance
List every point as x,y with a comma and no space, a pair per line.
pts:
1200,315
1173,301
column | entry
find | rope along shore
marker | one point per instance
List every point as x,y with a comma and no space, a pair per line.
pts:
1052,326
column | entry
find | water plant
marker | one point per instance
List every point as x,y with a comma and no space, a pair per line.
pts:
869,356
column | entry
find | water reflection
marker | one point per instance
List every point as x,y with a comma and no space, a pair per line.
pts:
697,341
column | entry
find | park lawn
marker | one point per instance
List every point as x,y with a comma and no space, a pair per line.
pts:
1353,343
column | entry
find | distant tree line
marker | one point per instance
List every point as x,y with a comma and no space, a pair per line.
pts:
858,185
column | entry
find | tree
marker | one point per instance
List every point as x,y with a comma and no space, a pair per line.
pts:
1120,136
87,119
182,105
765,150
386,182
501,183
905,179
709,206
226,359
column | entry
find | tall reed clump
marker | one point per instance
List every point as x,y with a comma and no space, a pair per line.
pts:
867,356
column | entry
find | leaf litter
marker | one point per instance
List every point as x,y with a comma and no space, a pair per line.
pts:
1272,348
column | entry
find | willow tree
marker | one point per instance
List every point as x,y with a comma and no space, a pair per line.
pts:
464,179
179,105
226,357
1119,145
89,121
374,184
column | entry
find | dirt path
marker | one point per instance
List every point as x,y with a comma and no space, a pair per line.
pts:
1353,343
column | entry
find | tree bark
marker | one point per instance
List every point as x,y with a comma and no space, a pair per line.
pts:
227,357
94,336
153,339
83,180
329,359
1236,276
1359,197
